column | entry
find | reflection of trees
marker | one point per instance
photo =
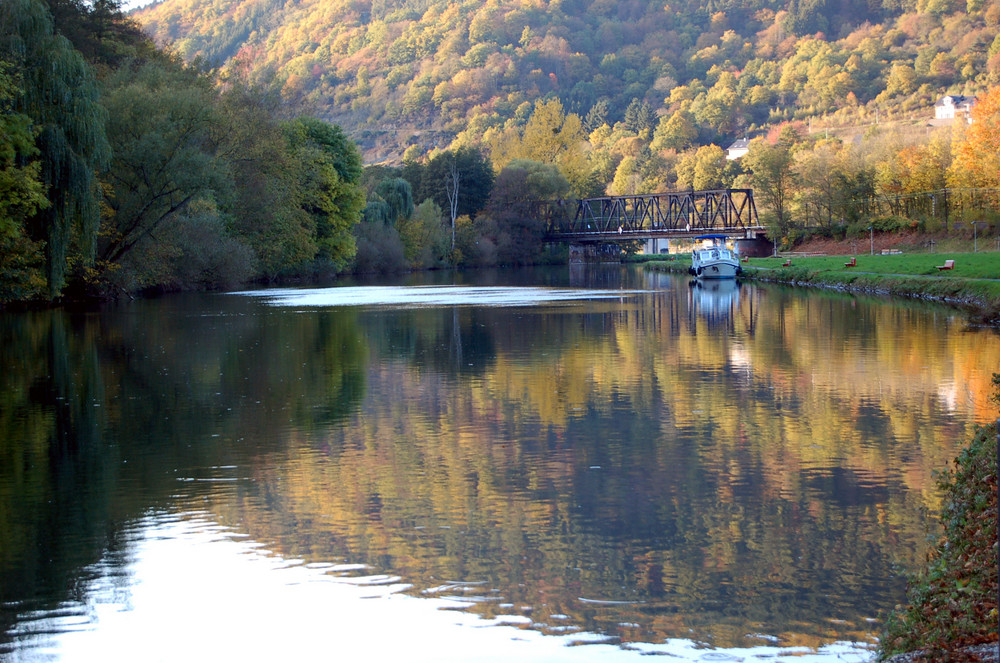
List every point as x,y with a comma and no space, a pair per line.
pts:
719,477
100,416
629,454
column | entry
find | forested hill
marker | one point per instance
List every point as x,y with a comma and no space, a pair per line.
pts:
396,73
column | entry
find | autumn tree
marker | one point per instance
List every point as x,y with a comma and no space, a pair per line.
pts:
914,169
822,174
549,136
704,168
977,152
676,132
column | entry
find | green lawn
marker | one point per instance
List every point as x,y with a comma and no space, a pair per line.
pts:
982,265
974,281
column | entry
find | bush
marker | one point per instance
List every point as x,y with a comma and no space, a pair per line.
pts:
380,249
882,224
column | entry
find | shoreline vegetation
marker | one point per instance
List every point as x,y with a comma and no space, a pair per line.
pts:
130,165
973,284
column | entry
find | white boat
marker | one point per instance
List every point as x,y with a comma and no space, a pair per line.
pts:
713,259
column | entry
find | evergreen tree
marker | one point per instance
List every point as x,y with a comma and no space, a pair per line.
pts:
597,116
639,116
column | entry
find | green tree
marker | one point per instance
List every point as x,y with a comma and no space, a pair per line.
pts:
329,187
398,194
263,206
597,116
770,165
100,31
639,116
426,240
58,92
516,228
379,248
161,120
476,180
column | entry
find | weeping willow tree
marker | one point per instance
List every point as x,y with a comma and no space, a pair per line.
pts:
21,196
58,92
398,194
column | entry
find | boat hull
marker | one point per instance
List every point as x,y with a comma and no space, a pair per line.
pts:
719,269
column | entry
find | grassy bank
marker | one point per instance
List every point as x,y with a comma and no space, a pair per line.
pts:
973,282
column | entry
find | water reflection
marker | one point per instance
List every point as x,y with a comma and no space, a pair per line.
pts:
717,300
737,469
193,585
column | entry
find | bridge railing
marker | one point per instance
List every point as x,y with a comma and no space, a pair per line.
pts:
722,209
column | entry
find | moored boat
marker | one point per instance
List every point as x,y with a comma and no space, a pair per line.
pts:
713,259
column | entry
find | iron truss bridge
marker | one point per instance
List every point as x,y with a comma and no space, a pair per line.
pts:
659,215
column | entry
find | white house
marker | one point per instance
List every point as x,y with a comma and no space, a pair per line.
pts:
953,105
738,148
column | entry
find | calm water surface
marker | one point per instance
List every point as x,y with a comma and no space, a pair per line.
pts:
548,465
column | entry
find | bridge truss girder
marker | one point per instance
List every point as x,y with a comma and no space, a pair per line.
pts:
716,210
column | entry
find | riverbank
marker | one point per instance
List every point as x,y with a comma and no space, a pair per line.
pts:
972,280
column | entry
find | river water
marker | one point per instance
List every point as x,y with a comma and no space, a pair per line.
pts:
563,464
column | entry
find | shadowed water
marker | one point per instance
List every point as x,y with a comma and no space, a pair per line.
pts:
487,468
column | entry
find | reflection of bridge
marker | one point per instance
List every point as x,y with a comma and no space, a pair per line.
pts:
652,216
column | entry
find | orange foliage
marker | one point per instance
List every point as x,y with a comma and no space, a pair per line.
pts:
977,156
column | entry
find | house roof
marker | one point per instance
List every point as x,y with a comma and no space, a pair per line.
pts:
740,144
954,100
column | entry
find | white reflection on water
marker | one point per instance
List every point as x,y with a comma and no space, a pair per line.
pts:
194,591
423,296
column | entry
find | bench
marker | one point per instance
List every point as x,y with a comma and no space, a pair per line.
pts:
948,264
852,263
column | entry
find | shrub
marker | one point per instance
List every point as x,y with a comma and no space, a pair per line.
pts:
380,249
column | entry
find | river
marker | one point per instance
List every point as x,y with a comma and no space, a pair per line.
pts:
561,464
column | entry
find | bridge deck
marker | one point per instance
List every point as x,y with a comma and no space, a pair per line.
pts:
661,215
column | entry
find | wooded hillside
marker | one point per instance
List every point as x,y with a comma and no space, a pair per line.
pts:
396,73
